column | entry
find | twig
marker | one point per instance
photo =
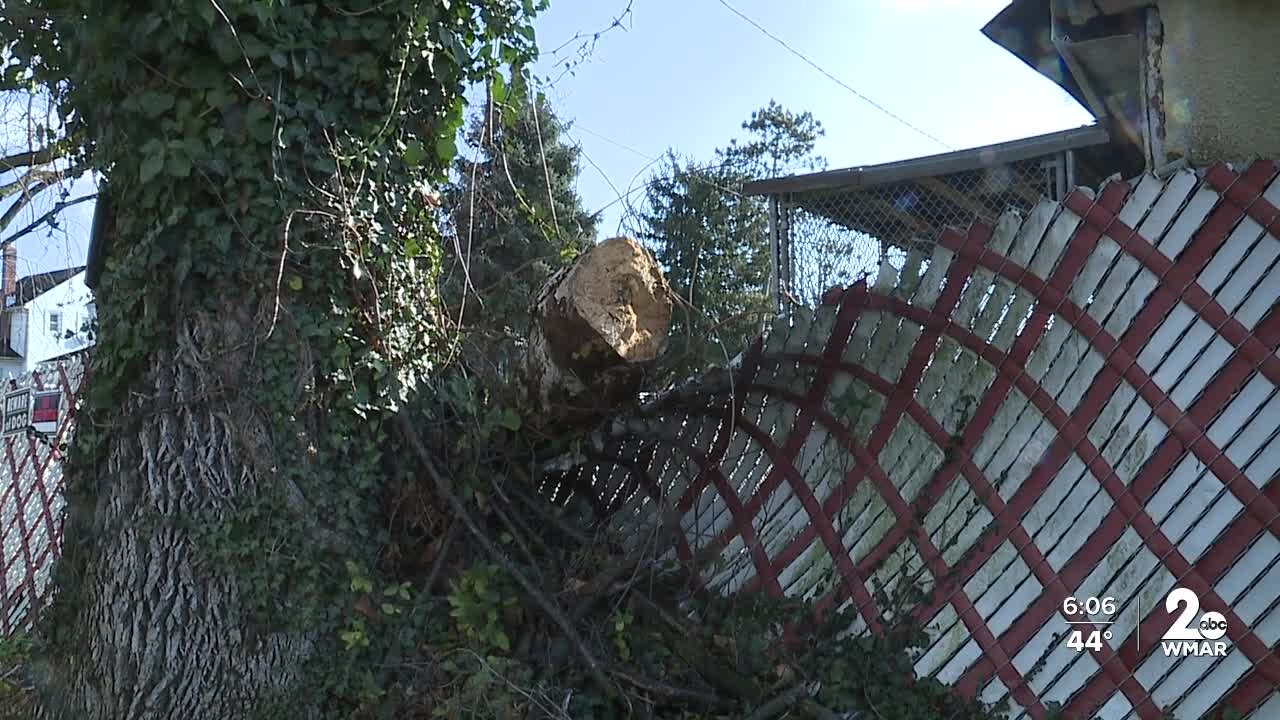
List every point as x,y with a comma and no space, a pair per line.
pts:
652,685
46,218
445,488
717,672
817,712
244,53
443,553
516,531
31,192
783,702
544,515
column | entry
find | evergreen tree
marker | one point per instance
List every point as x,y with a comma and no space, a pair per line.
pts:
713,241
779,142
515,215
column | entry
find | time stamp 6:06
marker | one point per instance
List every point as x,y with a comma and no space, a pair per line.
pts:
1186,637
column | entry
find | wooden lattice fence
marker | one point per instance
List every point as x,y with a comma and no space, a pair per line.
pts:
1080,402
31,497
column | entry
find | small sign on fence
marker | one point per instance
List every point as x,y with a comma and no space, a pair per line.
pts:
17,412
44,411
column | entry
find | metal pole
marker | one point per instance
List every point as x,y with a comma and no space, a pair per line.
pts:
775,255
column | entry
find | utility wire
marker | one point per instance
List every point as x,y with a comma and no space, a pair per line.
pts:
628,148
831,77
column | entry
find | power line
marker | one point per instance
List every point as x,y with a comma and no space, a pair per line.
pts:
831,77
628,148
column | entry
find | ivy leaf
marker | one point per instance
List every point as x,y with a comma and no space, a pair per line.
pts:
154,104
499,88
414,154
446,148
179,165
510,419
207,12
254,48
219,97
152,164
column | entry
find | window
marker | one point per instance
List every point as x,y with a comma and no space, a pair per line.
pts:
55,324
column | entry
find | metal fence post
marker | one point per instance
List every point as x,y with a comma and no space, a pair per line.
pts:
775,255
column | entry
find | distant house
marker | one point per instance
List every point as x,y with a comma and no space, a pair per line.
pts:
45,315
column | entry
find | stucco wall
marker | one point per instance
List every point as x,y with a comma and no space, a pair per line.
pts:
1221,71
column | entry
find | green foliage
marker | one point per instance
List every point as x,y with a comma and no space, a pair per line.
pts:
15,696
479,598
514,213
713,241
779,142
713,245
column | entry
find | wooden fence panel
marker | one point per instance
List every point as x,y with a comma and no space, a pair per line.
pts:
1079,402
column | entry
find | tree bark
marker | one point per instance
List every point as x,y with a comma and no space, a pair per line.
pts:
597,323
155,633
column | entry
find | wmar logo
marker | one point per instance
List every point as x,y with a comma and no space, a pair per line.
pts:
1185,639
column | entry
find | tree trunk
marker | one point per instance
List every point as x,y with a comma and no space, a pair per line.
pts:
265,304
597,323
156,634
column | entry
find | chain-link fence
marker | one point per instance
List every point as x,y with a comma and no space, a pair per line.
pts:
836,228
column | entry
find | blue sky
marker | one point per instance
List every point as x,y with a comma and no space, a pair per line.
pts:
684,74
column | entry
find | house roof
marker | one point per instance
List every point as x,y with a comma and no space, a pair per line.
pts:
906,203
1024,28
864,176
33,286
1090,48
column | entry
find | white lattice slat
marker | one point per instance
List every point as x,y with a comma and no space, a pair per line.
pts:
934,278
957,520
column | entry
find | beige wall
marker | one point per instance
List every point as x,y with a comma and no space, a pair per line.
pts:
1221,73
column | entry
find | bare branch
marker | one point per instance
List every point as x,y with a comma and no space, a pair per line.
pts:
27,180
45,218
33,192
42,156
444,486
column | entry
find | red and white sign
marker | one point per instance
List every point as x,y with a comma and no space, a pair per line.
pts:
45,407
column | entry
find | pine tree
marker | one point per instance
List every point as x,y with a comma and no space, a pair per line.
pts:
515,215
713,241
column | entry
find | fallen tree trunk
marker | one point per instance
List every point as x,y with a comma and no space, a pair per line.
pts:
596,325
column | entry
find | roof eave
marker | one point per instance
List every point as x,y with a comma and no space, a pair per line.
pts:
958,161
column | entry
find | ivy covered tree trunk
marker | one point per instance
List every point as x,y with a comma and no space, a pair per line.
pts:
266,304
157,632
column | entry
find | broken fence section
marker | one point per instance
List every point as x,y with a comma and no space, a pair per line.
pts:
1079,402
